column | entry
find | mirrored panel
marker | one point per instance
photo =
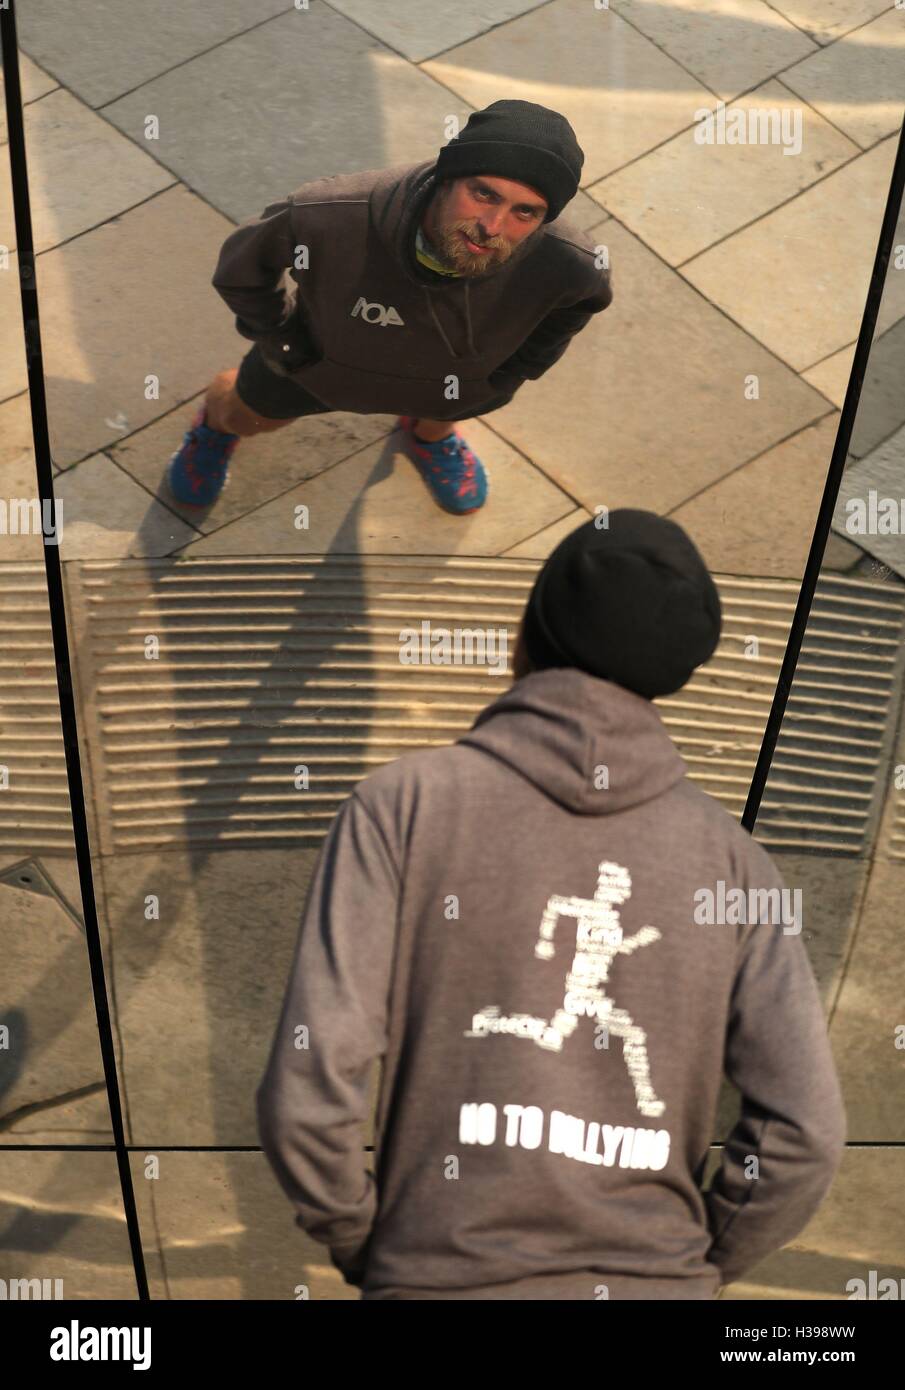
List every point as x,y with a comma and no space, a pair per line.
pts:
261,319
832,813
62,1228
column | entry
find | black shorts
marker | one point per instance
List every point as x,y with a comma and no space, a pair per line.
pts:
277,398
271,395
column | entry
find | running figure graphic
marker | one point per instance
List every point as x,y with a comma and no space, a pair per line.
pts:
598,939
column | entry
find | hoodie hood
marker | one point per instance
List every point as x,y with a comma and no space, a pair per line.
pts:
587,743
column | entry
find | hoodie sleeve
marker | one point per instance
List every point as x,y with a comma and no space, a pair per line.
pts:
252,273
314,1096
546,343
792,1116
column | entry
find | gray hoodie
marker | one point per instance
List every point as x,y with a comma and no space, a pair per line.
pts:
328,282
510,923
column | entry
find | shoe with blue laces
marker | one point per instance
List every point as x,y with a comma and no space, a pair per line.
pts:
455,476
197,472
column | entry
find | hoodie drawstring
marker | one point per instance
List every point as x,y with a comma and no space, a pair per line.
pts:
440,329
430,305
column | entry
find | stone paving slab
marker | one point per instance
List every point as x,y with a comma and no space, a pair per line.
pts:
19,540
648,405
765,511
869,1012
880,474
418,31
58,1095
34,84
831,893
108,311
684,196
83,1120
857,1228
108,48
61,1217
826,20
16,437
256,113
199,990
261,469
539,546
728,45
841,555
585,212
13,376
376,503
858,83
881,409
811,259
81,172
226,1230
106,513
831,376
47,1004
621,93
49,875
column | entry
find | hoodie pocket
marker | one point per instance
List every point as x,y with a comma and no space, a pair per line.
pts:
291,349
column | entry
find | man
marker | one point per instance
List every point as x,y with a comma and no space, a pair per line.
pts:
431,290
513,924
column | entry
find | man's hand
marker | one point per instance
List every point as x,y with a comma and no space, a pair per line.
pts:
352,1261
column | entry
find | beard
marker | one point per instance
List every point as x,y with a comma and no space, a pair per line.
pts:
453,249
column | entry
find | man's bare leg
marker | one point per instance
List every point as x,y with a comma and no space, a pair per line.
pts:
432,430
226,411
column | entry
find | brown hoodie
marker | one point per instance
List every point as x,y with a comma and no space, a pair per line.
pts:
330,273
516,934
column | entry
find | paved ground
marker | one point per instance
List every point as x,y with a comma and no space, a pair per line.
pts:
729,263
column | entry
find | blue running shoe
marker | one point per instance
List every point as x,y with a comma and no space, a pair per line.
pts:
197,472
455,476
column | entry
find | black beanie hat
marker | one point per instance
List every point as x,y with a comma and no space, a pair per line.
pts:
518,140
632,602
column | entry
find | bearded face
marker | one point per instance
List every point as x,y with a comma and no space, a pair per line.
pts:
477,223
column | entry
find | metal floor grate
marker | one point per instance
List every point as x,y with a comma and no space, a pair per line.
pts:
823,793
892,836
263,665
34,804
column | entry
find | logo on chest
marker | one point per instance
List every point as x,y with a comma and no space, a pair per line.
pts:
375,313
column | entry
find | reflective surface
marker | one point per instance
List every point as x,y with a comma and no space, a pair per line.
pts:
216,654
